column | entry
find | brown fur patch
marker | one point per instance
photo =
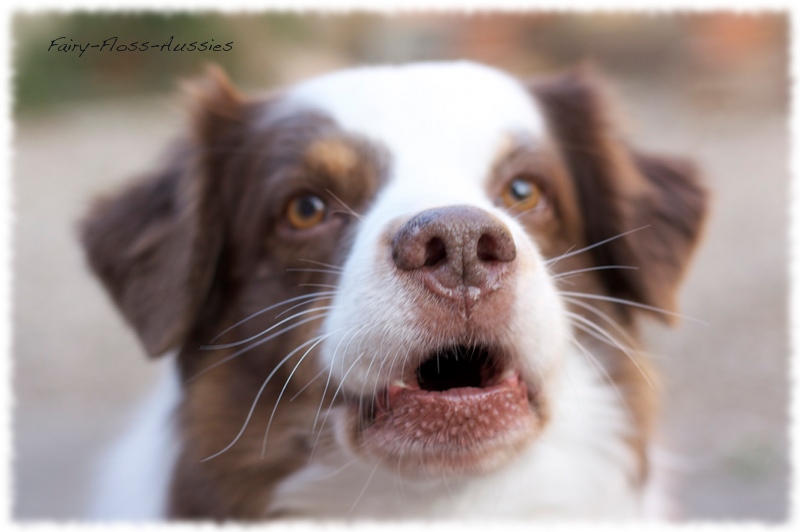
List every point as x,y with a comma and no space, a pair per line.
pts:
333,156
658,201
200,245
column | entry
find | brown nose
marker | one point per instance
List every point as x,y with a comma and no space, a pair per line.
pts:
454,249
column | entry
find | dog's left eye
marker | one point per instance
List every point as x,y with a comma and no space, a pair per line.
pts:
522,194
306,211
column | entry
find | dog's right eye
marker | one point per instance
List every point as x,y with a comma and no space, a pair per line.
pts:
306,211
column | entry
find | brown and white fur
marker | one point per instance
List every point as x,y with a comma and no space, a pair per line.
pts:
396,292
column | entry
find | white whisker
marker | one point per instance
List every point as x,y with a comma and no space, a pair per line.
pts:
341,383
593,269
258,396
633,304
351,211
599,367
605,317
594,330
364,489
283,390
268,329
596,244
323,264
315,377
336,471
309,302
253,346
316,270
328,382
262,311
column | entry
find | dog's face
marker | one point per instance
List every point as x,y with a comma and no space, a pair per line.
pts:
432,334
408,248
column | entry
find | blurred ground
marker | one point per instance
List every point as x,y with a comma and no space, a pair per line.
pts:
77,368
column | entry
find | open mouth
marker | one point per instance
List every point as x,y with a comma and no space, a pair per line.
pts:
460,405
458,367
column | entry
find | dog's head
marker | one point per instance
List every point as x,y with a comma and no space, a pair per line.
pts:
419,245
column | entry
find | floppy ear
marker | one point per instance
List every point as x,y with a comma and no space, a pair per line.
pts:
659,200
155,246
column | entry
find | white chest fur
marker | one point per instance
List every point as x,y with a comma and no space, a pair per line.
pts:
133,477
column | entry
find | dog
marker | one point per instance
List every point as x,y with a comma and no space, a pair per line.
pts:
404,291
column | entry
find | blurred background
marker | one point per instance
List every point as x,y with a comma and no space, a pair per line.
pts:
713,86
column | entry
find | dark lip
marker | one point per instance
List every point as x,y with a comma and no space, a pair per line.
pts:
452,432
371,405
385,402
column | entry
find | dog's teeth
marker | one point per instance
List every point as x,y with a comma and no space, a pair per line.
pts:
507,374
399,383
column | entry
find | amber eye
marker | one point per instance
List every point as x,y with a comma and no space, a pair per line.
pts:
522,195
306,211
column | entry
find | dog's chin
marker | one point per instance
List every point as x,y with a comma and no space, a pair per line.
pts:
462,411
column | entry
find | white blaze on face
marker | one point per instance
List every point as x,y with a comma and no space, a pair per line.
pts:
444,126
444,123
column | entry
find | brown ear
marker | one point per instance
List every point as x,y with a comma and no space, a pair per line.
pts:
155,245
659,200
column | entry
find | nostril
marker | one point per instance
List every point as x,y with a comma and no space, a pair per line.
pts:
456,244
496,248
435,252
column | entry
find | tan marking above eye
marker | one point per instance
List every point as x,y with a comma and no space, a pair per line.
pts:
521,194
333,155
306,211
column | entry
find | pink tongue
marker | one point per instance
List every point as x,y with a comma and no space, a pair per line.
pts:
460,416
